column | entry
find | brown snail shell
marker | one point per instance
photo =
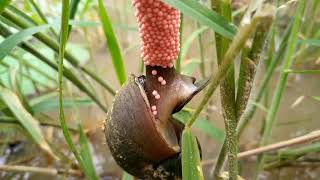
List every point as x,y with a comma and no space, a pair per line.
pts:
139,141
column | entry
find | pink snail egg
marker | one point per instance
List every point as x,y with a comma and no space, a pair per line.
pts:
154,113
157,96
154,72
163,82
160,78
154,92
154,108
159,27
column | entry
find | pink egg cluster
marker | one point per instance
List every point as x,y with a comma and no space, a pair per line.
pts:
159,29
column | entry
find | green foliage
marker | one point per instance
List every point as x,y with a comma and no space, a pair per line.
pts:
112,44
29,123
191,166
202,14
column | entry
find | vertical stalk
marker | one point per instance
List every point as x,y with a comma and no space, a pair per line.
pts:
227,92
250,59
201,51
271,116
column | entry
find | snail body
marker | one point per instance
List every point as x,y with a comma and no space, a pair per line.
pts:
147,145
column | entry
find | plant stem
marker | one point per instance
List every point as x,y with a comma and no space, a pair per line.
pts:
249,62
39,170
310,137
201,51
227,93
271,116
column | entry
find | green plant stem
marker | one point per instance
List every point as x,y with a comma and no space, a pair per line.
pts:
292,71
271,116
249,62
201,51
179,60
55,46
227,92
63,41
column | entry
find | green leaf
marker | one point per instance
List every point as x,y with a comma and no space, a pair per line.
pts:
126,176
52,104
311,42
112,44
191,166
12,41
4,4
316,98
202,124
186,45
205,16
30,124
86,155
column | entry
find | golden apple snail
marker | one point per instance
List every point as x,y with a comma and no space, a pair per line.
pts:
142,135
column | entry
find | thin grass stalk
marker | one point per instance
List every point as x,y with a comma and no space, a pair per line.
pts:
271,116
63,40
201,52
292,71
227,92
55,46
42,16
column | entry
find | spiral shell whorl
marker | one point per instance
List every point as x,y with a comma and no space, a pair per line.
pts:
159,30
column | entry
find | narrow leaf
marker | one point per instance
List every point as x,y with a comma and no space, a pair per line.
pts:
9,43
30,124
191,166
205,16
112,44
126,176
311,42
202,124
86,154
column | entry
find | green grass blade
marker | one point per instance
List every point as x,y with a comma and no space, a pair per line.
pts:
52,104
86,155
30,124
126,176
316,98
202,124
311,42
205,16
191,166
12,41
288,59
63,41
293,71
4,4
113,45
